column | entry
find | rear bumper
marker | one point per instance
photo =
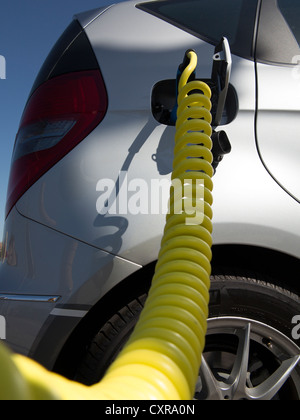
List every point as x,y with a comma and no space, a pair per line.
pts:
48,284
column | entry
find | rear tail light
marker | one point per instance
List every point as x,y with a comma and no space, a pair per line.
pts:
60,113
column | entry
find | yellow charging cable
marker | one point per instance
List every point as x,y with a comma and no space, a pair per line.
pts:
162,358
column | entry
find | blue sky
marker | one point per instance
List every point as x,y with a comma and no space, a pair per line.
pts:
28,30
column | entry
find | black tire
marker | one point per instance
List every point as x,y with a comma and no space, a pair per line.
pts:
108,342
254,299
231,296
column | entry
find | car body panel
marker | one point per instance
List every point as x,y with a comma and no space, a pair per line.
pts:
249,206
278,92
86,18
279,142
43,270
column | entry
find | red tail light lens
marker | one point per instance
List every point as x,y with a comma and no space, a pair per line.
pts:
58,116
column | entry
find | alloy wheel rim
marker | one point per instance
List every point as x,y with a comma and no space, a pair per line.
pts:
248,360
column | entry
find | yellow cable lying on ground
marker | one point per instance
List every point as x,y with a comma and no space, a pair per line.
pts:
163,356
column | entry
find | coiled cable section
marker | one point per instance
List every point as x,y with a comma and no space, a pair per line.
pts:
162,359
166,346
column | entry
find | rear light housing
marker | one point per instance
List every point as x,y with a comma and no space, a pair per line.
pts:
65,106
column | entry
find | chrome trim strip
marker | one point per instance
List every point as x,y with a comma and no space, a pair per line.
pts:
29,298
73,313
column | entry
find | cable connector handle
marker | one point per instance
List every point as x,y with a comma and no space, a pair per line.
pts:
221,71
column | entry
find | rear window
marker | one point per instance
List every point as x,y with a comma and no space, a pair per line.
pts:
72,52
210,20
291,12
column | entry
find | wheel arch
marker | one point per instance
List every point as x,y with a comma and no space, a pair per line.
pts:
227,259
104,309
273,265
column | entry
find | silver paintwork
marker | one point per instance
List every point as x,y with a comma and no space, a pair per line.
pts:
86,18
77,272
278,126
73,313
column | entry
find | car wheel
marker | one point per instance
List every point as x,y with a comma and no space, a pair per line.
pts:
251,348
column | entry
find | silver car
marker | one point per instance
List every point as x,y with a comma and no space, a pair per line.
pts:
85,208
